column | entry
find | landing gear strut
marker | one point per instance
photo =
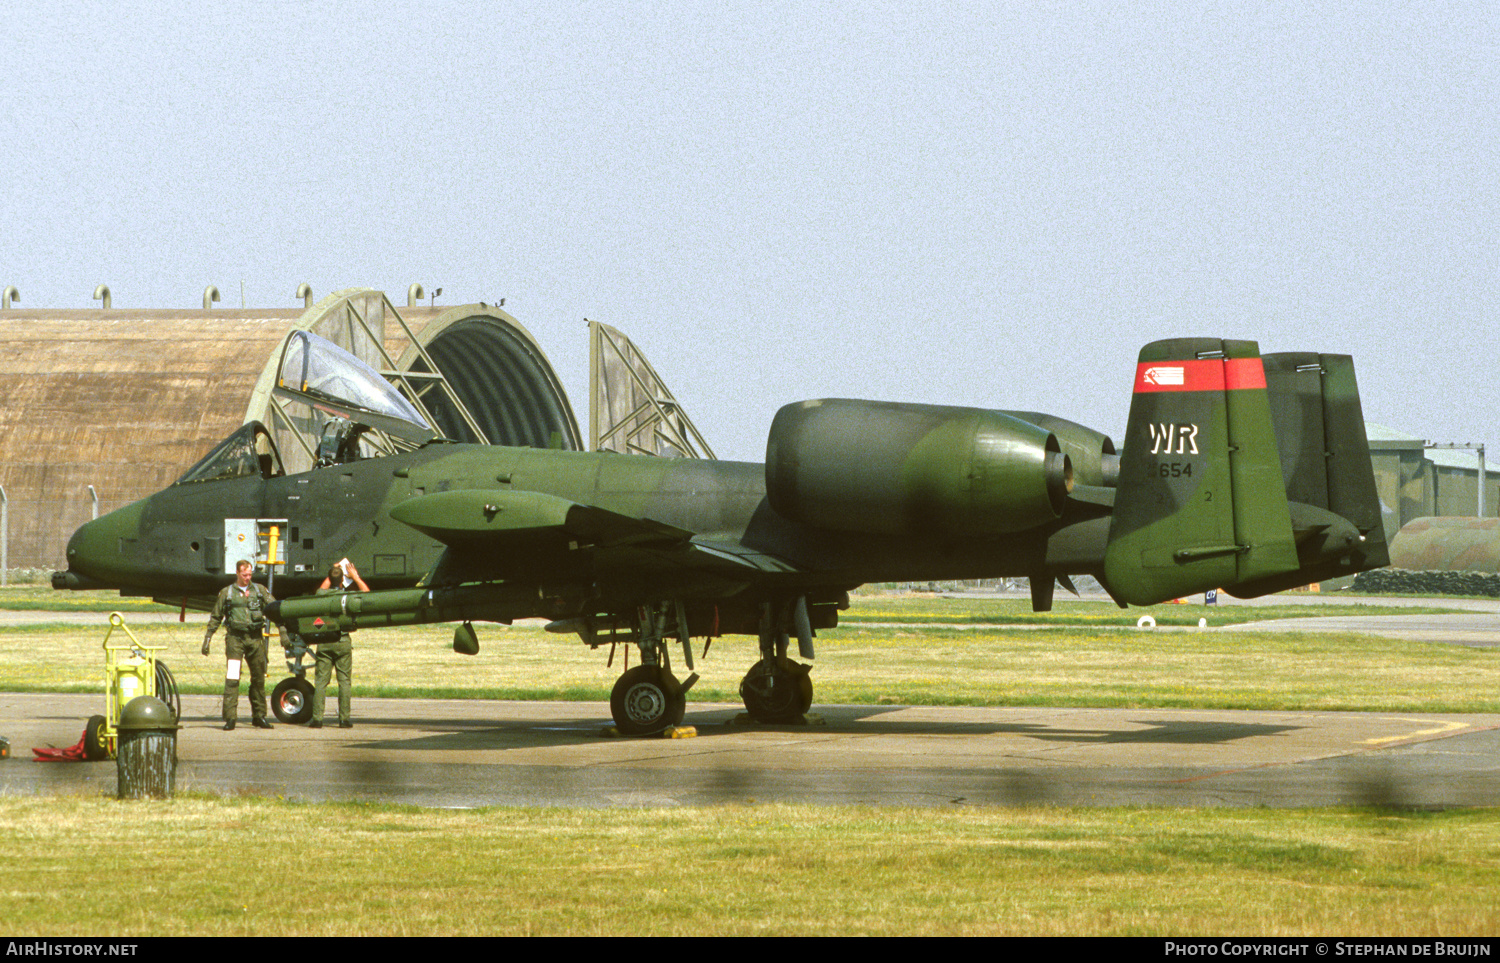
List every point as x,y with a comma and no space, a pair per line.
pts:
776,689
648,698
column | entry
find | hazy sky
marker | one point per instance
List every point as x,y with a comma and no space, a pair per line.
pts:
991,204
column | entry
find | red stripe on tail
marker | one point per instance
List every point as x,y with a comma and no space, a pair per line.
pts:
1200,374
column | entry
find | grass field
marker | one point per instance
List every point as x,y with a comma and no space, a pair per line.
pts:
44,598
237,867
947,610
867,662
255,866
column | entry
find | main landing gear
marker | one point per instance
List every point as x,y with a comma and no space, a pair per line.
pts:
648,698
776,689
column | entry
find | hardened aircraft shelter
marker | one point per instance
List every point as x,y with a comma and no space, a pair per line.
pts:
102,407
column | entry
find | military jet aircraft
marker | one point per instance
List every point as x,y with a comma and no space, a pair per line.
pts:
1241,472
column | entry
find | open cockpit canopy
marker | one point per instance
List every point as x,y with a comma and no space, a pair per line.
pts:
316,366
338,409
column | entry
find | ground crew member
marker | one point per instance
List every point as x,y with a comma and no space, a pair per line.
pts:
241,609
336,654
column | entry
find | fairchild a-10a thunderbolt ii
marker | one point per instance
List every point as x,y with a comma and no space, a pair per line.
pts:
1247,473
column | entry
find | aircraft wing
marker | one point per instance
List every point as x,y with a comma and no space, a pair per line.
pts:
492,518
723,552
509,534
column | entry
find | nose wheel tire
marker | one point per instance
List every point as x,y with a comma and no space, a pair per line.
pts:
291,701
646,700
783,695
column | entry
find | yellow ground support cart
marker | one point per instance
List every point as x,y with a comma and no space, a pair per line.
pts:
131,669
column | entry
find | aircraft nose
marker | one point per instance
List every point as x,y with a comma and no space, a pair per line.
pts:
97,550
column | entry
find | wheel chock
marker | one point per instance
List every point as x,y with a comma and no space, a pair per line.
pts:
670,732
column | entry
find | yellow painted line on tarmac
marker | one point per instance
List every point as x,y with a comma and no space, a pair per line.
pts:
1435,730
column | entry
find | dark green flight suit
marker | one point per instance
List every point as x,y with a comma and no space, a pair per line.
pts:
242,614
334,655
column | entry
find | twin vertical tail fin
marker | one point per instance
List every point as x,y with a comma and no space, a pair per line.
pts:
1326,468
1242,473
1200,502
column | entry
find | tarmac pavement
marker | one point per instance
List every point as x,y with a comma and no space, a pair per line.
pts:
457,753
463,753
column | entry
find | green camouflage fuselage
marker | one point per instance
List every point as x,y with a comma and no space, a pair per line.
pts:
1239,472
173,543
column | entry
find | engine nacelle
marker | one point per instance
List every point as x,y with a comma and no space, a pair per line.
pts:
882,468
1092,453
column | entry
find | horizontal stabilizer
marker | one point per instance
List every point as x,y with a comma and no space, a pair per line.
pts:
1094,495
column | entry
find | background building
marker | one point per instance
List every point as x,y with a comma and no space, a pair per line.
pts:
1416,481
99,408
